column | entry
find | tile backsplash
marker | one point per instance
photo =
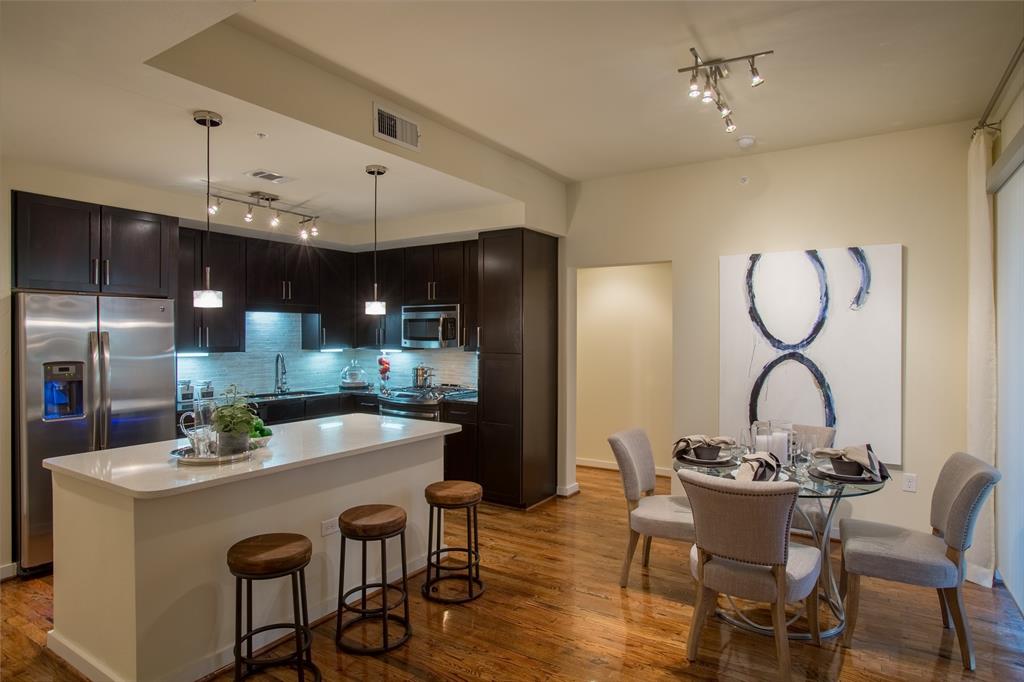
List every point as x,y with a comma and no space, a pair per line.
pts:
267,334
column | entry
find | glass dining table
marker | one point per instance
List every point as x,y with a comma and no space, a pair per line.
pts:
819,514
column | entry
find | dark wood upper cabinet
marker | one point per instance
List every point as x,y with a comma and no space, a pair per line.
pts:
334,325
501,292
137,252
433,274
224,328
301,274
66,245
383,330
188,320
281,277
419,274
215,330
57,243
470,313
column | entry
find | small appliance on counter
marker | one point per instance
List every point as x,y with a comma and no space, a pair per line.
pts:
353,377
186,392
205,389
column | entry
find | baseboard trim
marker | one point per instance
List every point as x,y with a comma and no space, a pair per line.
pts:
602,464
8,571
568,490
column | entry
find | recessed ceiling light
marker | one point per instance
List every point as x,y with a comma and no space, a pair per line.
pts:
746,141
262,135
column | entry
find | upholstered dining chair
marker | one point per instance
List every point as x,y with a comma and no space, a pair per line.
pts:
650,515
743,550
912,557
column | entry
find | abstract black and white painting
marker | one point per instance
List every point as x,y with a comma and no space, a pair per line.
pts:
815,337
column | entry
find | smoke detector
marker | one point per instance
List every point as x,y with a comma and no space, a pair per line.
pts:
746,141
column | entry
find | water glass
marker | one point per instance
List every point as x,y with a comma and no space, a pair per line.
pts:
200,434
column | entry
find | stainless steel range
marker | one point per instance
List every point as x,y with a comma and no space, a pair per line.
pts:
417,403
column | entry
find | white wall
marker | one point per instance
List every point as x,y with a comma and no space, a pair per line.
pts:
624,359
907,187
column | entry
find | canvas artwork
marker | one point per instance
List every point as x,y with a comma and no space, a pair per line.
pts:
815,337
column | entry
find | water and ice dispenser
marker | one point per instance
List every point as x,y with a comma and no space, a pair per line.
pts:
63,390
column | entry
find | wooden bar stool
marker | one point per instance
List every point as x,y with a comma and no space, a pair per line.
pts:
371,523
264,557
453,495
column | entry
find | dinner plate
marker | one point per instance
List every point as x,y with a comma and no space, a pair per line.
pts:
826,472
724,457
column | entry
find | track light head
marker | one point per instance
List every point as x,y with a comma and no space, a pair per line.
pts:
723,107
755,77
708,95
214,207
314,230
730,127
276,220
694,85
304,234
248,214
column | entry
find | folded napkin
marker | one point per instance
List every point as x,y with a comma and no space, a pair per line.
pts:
759,466
700,440
874,469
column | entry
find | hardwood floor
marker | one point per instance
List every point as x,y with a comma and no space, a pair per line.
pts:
553,610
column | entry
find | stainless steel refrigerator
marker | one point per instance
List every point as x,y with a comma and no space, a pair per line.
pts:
91,372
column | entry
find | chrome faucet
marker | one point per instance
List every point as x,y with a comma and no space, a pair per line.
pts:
280,374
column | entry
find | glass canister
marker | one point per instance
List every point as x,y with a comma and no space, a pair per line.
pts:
354,376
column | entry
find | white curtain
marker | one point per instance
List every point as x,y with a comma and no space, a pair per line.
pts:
981,344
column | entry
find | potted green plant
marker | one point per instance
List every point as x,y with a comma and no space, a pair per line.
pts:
233,423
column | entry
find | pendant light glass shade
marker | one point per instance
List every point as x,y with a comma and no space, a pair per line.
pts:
376,306
207,297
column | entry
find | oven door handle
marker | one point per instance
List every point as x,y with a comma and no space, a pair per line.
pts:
392,412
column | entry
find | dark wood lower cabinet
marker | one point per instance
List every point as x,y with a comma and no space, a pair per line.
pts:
460,449
500,423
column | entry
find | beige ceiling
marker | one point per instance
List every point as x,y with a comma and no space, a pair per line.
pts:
590,89
75,94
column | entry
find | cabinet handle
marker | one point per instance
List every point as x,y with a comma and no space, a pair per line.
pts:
289,290
106,271
428,291
323,336
479,339
284,290
95,276
207,337
199,337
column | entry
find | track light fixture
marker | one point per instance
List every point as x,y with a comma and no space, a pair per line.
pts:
714,71
254,200
213,208
755,77
248,214
276,220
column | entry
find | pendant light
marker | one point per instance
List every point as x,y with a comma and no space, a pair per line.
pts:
207,297
376,306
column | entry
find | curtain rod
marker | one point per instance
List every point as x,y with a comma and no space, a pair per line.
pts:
983,121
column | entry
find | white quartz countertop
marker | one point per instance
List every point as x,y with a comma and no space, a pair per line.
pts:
149,470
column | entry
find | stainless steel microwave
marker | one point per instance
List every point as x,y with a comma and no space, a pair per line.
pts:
430,326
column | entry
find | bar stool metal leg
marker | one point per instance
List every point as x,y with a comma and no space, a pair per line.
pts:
238,629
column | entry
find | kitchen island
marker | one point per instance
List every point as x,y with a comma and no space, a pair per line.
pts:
141,587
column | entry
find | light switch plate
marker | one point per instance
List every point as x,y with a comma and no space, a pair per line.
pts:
329,527
910,483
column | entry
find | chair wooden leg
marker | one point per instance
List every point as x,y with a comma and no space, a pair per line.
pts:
647,550
851,603
707,600
955,601
944,608
781,637
634,537
811,605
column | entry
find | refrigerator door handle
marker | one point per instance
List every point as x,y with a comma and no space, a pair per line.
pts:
95,407
105,388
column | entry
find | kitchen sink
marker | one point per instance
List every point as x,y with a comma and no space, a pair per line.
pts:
286,394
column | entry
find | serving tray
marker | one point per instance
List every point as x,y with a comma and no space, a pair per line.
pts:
186,456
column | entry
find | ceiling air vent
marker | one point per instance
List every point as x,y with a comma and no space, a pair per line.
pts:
269,176
394,128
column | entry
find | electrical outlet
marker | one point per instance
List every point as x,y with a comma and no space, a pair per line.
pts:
329,527
910,483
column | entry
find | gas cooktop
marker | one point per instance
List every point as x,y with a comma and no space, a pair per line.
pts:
431,395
